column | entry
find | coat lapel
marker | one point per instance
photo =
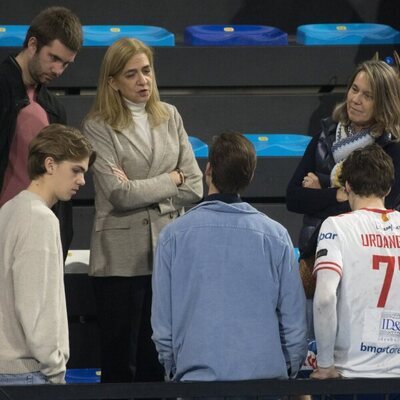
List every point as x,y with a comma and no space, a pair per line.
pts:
159,136
139,143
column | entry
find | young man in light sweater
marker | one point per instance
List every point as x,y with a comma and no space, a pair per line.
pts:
34,345
228,303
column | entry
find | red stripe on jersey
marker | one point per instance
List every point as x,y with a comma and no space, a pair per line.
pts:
328,265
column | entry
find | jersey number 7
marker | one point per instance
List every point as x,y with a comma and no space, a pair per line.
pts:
390,262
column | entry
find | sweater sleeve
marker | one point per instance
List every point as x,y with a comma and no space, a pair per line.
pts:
39,295
311,201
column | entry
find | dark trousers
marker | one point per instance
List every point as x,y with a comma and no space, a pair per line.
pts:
127,352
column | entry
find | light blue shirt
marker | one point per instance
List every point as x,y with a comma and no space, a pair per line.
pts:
228,303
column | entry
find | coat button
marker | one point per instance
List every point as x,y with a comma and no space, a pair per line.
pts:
145,221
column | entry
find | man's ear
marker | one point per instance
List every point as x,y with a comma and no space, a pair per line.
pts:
347,187
49,165
208,169
208,174
32,45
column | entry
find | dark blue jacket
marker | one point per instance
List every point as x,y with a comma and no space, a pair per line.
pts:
318,204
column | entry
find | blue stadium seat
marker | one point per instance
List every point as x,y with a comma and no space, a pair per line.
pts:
278,144
347,34
12,35
200,148
83,375
234,35
105,35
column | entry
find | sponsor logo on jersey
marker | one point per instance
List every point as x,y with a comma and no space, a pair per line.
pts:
327,235
389,329
386,227
377,349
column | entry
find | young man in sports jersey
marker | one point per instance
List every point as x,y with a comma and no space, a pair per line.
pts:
357,266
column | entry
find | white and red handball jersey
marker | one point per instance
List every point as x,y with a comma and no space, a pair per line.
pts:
363,247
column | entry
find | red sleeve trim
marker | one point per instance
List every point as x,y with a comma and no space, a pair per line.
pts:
328,265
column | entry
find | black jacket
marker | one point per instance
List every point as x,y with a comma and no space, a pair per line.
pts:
319,204
13,98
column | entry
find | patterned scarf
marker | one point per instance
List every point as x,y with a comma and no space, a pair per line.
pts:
346,142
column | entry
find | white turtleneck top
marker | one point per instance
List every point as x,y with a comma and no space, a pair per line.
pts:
141,120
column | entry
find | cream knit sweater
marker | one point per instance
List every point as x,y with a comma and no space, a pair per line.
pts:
33,316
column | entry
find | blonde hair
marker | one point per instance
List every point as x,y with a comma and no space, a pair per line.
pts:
109,105
385,86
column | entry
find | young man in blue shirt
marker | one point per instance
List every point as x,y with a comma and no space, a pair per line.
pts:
228,303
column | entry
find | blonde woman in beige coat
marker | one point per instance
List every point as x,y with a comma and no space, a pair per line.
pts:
145,173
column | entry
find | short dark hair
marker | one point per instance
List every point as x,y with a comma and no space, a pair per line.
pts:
233,161
62,143
56,23
369,171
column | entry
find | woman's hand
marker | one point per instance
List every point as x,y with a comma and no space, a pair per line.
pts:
325,373
311,181
119,173
341,195
177,177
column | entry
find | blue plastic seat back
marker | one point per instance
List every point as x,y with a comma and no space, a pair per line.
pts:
347,34
105,35
200,148
278,144
234,35
296,253
83,375
12,35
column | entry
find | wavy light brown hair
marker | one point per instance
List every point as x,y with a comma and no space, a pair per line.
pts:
60,142
385,86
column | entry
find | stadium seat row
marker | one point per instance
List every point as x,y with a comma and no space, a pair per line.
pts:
225,35
265,144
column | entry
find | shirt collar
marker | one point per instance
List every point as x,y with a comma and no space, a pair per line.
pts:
225,197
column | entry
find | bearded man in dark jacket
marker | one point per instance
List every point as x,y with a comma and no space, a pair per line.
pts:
26,106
